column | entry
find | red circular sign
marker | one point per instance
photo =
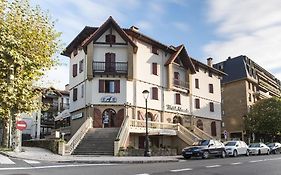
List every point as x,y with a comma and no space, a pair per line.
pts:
21,125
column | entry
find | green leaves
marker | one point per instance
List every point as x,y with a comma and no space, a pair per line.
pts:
28,41
265,117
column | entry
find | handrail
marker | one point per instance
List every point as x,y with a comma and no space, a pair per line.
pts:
202,134
122,135
187,135
78,136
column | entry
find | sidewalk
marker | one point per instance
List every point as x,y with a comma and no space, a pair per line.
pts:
33,153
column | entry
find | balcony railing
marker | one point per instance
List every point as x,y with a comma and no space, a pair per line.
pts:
110,67
181,84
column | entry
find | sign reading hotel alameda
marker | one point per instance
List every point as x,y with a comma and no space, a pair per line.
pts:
108,99
176,108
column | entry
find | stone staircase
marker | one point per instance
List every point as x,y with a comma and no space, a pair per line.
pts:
97,141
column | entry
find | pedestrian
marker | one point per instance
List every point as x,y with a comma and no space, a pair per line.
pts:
105,120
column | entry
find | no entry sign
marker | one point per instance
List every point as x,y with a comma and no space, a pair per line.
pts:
21,125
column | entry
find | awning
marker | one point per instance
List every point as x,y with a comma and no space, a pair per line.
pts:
64,114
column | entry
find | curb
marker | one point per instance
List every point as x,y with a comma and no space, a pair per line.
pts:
117,162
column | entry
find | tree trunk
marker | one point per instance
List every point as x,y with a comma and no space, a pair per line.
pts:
5,135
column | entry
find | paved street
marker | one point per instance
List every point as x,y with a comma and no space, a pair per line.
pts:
258,165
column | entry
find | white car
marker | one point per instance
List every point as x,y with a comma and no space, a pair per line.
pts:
235,148
274,147
259,148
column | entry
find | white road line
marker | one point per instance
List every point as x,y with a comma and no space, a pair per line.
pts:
5,160
213,166
236,163
31,161
179,170
54,166
254,161
142,174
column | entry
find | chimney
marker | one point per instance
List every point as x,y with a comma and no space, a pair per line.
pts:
210,62
134,28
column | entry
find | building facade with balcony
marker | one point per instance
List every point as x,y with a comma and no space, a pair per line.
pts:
110,67
246,82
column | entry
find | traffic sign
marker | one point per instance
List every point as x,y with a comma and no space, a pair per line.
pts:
21,125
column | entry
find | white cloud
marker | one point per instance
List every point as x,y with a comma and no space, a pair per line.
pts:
181,26
144,25
249,28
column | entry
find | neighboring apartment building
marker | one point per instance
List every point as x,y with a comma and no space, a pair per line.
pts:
245,83
41,122
110,67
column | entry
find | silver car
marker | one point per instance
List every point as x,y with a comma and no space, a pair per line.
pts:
235,148
258,148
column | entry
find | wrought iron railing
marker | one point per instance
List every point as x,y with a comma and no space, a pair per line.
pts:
181,84
110,67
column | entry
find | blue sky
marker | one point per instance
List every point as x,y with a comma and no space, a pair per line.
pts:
208,28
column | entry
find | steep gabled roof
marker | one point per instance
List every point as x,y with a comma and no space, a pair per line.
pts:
110,22
185,58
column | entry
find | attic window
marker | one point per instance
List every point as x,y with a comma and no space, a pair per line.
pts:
110,38
154,50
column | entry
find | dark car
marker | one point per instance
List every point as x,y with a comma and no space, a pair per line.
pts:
205,149
275,148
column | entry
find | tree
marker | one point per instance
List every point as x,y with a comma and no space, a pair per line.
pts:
264,118
28,41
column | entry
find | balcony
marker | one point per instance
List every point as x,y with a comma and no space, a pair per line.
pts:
110,68
181,84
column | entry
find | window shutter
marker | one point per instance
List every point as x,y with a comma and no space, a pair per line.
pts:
74,70
155,93
101,86
107,38
154,68
117,86
178,99
113,39
74,94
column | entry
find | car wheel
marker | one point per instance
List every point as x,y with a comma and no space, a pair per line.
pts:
259,152
205,155
223,154
247,153
268,152
235,153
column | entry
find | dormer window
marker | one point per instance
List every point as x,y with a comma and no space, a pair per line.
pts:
154,50
110,38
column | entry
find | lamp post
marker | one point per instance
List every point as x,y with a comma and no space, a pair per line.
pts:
145,94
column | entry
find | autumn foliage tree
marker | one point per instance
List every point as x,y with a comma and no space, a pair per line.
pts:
28,41
264,118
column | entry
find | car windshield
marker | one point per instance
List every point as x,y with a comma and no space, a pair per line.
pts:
254,145
204,143
271,145
230,144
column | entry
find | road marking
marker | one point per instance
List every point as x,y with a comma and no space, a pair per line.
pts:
143,174
213,166
31,161
179,170
53,166
5,160
182,160
254,161
236,163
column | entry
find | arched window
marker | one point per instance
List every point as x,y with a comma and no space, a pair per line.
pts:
199,124
213,129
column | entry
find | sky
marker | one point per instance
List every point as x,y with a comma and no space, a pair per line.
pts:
207,28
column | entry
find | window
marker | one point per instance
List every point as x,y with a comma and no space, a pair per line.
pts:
197,103
74,94
82,91
110,38
109,86
178,98
197,83
81,66
249,85
154,50
154,69
155,93
211,88
74,70
250,97
212,107
210,73
110,64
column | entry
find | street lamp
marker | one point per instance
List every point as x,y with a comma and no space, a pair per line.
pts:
145,94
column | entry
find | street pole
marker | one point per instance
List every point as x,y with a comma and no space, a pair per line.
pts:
146,151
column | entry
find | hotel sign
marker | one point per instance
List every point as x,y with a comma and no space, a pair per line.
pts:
108,99
176,108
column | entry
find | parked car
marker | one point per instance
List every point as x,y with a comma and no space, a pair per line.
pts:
235,148
205,149
259,148
274,147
